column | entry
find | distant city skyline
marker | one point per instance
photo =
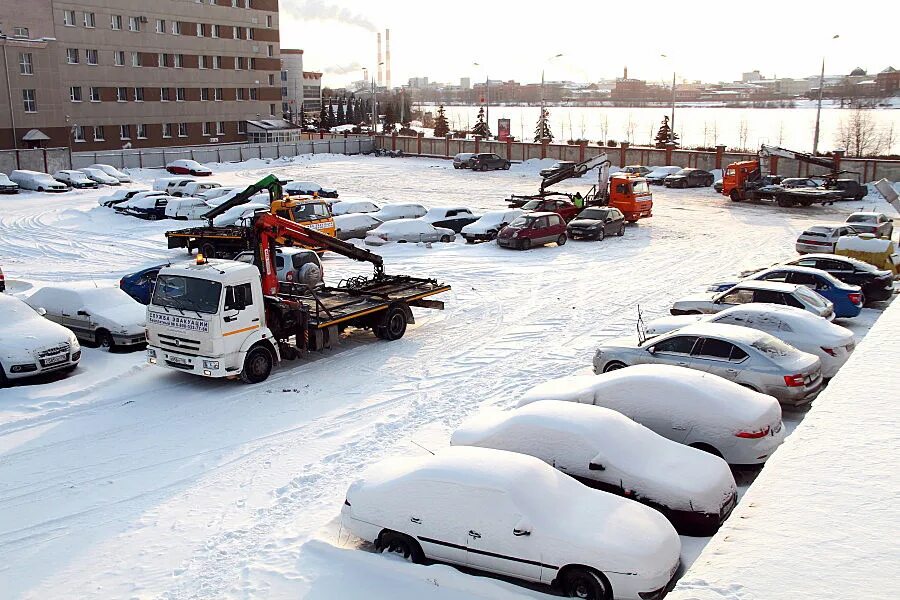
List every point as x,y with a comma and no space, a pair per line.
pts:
706,42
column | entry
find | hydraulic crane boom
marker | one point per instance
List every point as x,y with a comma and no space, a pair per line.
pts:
577,170
268,183
765,152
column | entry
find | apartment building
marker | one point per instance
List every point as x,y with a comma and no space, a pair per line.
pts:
96,74
301,91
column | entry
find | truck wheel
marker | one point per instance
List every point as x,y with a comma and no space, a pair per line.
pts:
207,249
393,324
735,196
257,365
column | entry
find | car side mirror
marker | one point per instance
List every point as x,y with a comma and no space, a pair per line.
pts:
595,466
652,349
522,528
81,313
41,311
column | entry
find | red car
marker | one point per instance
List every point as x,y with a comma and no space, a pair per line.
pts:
533,229
187,167
562,207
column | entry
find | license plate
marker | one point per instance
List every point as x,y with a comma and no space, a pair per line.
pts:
178,360
55,360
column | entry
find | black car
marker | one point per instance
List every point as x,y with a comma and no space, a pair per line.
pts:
488,162
563,164
595,223
450,217
876,284
686,178
850,188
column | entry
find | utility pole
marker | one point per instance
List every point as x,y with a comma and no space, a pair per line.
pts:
819,102
672,124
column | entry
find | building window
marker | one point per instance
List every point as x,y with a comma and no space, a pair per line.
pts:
179,94
179,61
160,26
120,58
29,99
135,59
271,79
26,63
164,94
99,134
254,93
252,63
199,30
271,50
269,21
234,3
167,130
182,130
124,132
95,94
142,132
272,110
92,57
205,128
284,75
20,32
216,62
284,94
204,93
69,18
75,94
134,23
121,94
218,95
176,28
250,34
239,63
202,64
115,22
236,33
138,94
90,20
216,31
242,127
78,133
162,59
72,56
240,94
220,128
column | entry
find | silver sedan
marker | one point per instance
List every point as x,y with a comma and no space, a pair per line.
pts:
745,356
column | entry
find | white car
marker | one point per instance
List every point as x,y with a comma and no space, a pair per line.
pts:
121,195
658,175
260,198
293,265
451,217
795,326
161,184
34,180
392,212
745,292
100,176
513,515
687,406
237,215
822,238
355,226
175,186
217,192
30,344
194,188
113,172
346,207
489,225
876,223
408,230
308,188
186,208
7,185
122,205
107,317
605,449
75,179
187,167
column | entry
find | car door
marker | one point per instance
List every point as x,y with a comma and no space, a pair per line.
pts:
734,297
674,350
426,516
713,355
542,233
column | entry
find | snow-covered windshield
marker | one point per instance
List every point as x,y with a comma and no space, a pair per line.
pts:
811,297
187,293
521,222
862,219
599,214
773,347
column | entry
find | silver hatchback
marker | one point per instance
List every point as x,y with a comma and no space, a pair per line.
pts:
748,357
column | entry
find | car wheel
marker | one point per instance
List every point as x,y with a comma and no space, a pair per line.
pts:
621,230
601,235
40,189
393,324
706,448
257,365
561,240
735,196
446,239
4,382
105,340
526,244
614,366
401,545
585,583
506,166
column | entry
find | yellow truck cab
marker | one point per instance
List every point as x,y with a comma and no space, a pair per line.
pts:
309,211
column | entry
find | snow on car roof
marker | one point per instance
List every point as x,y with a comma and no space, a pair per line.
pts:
730,332
354,219
800,320
401,225
775,286
11,306
808,270
443,209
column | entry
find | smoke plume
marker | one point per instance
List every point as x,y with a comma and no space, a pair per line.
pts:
317,10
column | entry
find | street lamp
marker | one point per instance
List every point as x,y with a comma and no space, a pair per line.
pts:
374,104
672,118
555,56
487,96
819,103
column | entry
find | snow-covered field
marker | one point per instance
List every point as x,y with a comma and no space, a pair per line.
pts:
130,481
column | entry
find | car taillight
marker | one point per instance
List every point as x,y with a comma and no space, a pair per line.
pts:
794,380
855,297
753,435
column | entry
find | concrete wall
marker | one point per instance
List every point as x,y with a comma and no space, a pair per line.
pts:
47,160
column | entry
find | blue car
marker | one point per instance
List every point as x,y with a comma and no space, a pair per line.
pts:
847,299
140,285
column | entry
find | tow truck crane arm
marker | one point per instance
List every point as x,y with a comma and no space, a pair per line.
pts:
268,183
767,151
577,170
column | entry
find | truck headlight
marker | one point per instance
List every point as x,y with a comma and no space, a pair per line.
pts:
211,364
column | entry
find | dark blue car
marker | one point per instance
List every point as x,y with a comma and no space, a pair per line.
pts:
847,299
140,285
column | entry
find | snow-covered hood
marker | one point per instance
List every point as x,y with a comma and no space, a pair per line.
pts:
667,324
25,336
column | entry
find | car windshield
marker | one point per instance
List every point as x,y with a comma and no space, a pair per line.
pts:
862,219
599,214
521,222
773,347
810,297
310,211
531,204
187,293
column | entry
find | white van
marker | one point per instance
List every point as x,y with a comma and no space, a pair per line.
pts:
193,188
35,180
162,184
187,207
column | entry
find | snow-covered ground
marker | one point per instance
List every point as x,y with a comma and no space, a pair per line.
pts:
129,481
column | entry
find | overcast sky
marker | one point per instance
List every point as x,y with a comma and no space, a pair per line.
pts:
706,40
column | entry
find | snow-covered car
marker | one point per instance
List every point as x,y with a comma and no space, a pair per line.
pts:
658,175
689,407
193,188
499,512
451,217
489,225
104,316
462,160
309,188
161,184
639,170
100,176
7,185
237,215
186,208
37,181
822,238
408,230
260,198
119,197
605,449
112,171
145,206
392,212
879,224
355,226
32,345
745,292
749,357
217,192
347,207
188,167
175,186
557,167
294,265
75,179
795,326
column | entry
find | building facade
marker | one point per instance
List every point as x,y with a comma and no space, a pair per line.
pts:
99,75
301,90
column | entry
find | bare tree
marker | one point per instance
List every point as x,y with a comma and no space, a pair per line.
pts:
858,134
604,128
629,128
743,132
780,132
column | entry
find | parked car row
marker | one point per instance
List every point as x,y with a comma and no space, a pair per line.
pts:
63,180
482,161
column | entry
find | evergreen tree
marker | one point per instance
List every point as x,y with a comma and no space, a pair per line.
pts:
323,118
341,115
542,129
665,134
441,126
390,117
331,118
351,111
481,127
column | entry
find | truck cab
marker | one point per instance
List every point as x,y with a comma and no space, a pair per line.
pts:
736,176
631,194
309,211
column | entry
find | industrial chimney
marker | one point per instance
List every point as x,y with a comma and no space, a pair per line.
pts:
379,59
387,58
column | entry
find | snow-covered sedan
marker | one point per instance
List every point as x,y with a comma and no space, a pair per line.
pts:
515,516
489,225
354,226
186,207
309,188
450,217
745,292
100,176
749,357
149,205
74,179
113,172
408,230
658,175
238,215
37,181
7,185
605,449
392,212
107,317
121,195
795,326
692,408
354,206
30,344
188,167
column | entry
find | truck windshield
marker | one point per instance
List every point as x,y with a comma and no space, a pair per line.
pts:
641,187
310,211
187,293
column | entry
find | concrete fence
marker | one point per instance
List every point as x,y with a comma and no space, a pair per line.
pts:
46,160
868,169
